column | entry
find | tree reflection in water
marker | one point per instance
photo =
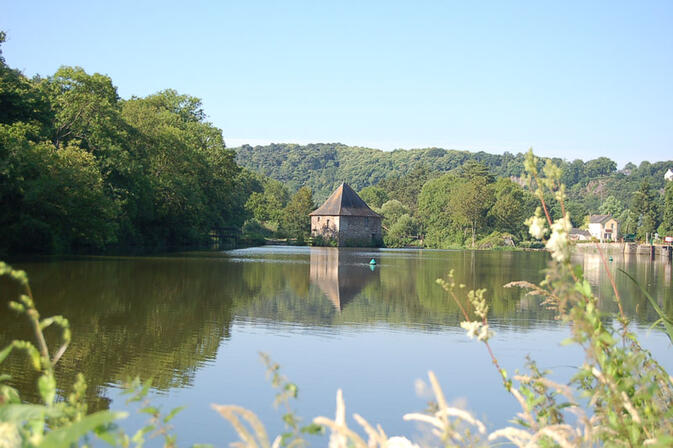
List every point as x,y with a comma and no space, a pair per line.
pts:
166,317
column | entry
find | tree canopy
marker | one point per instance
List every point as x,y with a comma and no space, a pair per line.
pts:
82,169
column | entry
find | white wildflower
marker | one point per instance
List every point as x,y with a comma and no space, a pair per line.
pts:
471,327
537,225
515,435
476,298
9,435
400,442
478,330
558,241
484,333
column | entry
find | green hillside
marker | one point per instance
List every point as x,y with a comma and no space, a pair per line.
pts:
323,166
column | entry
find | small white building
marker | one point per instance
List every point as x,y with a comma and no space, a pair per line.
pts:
603,227
669,175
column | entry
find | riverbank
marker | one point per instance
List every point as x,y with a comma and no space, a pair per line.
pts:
651,250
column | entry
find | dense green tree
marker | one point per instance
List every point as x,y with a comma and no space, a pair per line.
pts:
374,196
666,227
406,188
194,183
392,211
512,206
402,232
52,199
628,222
434,211
601,166
578,212
611,206
21,100
82,169
572,172
644,206
267,205
295,222
470,204
476,170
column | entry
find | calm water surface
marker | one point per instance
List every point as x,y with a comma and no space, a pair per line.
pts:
195,323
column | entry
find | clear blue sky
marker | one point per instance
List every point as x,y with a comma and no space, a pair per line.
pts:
571,79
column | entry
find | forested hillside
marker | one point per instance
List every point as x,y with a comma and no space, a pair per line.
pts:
447,198
323,166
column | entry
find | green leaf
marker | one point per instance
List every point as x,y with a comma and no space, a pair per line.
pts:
9,394
606,339
34,357
5,352
104,433
150,410
292,389
139,437
18,413
583,288
284,437
72,433
313,429
173,413
567,341
290,419
46,384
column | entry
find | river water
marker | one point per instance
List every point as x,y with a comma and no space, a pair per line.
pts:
195,323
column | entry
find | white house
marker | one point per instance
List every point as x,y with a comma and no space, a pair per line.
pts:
669,175
603,227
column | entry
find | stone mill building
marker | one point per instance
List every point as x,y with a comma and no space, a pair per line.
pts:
346,220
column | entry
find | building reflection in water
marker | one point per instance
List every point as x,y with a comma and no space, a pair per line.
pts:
653,274
341,273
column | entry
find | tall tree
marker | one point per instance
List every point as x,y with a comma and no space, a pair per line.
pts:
644,206
374,196
267,205
392,211
667,215
296,222
471,202
472,170
601,166
511,207
612,206
435,213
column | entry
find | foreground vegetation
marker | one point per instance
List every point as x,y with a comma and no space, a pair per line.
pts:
620,395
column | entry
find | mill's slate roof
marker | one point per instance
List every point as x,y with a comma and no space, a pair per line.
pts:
579,232
345,202
599,218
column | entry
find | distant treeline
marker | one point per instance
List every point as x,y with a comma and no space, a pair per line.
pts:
447,198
